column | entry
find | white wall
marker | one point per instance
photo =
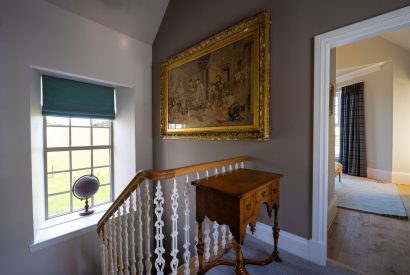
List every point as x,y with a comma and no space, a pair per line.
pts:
378,98
372,51
37,33
401,119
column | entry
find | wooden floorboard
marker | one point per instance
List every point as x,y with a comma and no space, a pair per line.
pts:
372,244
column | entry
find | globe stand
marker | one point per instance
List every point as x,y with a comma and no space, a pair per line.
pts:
84,188
87,210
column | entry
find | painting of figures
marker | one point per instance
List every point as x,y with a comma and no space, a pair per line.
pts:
219,88
214,90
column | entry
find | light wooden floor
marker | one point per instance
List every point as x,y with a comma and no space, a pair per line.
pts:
372,244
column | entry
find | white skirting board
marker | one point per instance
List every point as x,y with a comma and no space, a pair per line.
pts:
331,212
379,174
388,176
291,243
401,177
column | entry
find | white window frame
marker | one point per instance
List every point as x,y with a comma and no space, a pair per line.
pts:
50,232
70,149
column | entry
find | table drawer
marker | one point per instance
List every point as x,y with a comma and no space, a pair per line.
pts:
248,207
263,195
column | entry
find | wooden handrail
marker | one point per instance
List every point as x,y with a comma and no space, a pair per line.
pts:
162,175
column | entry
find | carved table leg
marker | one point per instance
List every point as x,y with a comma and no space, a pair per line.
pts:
200,248
239,266
276,230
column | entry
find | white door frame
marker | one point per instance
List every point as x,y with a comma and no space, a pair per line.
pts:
391,21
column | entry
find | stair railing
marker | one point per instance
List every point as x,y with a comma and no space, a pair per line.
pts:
126,232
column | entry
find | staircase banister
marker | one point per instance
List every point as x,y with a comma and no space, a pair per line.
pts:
162,175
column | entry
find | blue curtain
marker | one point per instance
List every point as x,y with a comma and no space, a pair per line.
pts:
352,131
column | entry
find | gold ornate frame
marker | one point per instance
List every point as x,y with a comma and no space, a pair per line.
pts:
257,26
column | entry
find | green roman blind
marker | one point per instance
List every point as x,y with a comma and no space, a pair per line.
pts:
64,97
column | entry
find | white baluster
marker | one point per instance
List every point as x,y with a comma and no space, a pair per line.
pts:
174,233
114,247
159,224
207,240
125,237
139,235
216,238
236,166
230,167
223,236
119,242
146,205
187,254
106,247
196,237
230,237
223,169
216,171
102,248
132,237
242,164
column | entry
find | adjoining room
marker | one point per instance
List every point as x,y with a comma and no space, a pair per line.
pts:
371,110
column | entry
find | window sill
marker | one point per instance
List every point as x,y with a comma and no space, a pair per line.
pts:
67,227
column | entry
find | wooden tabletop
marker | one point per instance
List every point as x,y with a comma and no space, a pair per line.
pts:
238,182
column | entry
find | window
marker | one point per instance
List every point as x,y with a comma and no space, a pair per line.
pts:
337,122
75,147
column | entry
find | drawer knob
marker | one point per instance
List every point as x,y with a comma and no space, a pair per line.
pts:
275,190
264,194
248,206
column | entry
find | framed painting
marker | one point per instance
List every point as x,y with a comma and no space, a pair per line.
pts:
331,98
219,88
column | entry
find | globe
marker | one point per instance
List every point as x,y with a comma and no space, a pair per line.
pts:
84,188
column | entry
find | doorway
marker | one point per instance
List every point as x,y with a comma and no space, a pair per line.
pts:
370,225
323,43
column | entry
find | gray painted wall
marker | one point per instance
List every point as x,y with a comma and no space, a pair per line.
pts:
294,24
38,33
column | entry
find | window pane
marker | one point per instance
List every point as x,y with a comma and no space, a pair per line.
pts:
57,161
80,122
103,175
57,137
58,182
81,159
101,136
79,204
77,174
58,204
101,157
103,194
101,123
80,136
53,120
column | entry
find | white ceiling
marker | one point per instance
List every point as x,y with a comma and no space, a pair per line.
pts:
400,38
139,19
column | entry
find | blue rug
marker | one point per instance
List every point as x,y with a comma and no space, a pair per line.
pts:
370,197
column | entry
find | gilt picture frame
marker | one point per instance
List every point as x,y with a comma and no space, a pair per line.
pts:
219,88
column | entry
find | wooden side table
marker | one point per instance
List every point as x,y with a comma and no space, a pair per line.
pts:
234,198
